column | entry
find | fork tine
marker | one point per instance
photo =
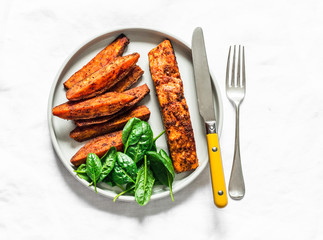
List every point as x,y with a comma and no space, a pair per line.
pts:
238,69
228,70
243,69
233,67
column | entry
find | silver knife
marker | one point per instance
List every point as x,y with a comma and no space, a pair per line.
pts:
206,108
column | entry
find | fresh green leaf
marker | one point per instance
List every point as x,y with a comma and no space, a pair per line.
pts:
144,185
81,172
170,185
127,164
163,158
162,168
170,174
153,147
139,141
169,162
93,168
108,161
125,169
157,182
160,172
125,191
81,169
131,186
128,128
119,176
108,180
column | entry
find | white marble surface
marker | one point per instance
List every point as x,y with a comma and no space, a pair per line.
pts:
281,122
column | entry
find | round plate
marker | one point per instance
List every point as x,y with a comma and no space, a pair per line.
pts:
141,41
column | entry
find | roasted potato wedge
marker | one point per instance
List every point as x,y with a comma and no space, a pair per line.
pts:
103,79
113,50
103,105
99,146
134,75
85,133
138,92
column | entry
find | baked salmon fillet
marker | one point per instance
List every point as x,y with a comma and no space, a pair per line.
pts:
113,50
176,117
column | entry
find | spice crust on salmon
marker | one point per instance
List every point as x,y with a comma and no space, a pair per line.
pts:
175,112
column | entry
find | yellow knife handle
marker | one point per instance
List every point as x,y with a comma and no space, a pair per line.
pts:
217,175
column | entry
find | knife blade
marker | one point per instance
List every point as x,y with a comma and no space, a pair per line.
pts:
206,109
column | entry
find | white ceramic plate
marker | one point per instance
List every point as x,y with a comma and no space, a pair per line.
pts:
141,41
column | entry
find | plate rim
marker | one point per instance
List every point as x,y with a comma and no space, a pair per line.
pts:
66,64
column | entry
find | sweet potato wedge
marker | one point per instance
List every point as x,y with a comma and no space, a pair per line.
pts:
99,146
138,92
85,133
103,79
113,50
103,105
176,117
128,81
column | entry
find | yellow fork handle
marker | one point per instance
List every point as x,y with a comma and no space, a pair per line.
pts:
217,176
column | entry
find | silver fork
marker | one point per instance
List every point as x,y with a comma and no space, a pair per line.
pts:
236,89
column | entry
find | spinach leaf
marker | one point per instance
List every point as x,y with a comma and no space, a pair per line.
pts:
128,190
131,186
93,168
163,158
127,164
153,147
108,161
139,141
160,172
171,174
162,168
81,172
157,182
108,180
144,185
125,169
170,185
169,162
128,128
118,176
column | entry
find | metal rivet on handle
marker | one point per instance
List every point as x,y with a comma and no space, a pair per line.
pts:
220,192
214,149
